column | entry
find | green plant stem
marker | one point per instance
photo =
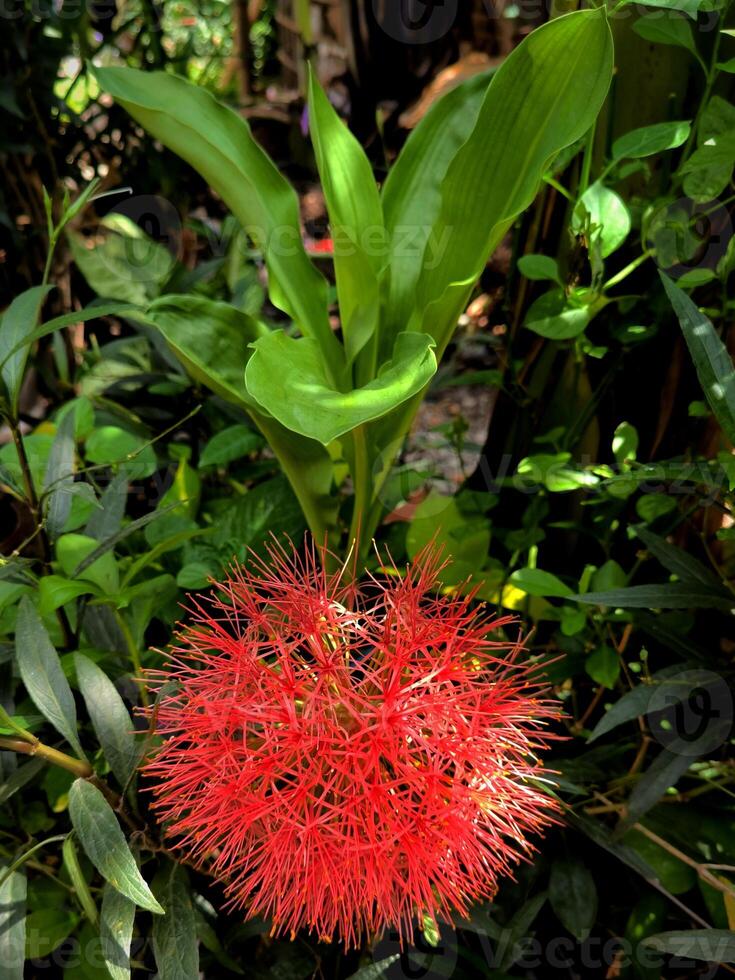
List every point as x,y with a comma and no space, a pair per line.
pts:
79,767
25,466
584,176
711,74
134,654
553,182
361,480
35,507
19,862
53,239
624,273
8,722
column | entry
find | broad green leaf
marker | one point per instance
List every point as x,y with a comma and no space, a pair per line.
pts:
105,845
608,216
209,338
75,554
539,267
712,362
110,445
59,478
110,719
625,444
665,770
440,521
355,217
13,925
411,193
194,575
674,596
233,443
718,119
56,590
125,264
218,143
674,875
545,95
287,377
46,929
251,520
573,896
689,7
666,28
708,171
185,490
535,581
16,326
608,576
554,317
175,943
305,462
116,932
647,917
712,945
556,471
647,140
603,666
41,673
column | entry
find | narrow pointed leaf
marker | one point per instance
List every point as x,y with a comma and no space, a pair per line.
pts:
218,143
647,140
110,719
13,925
712,362
544,97
711,945
685,595
16,325
76,876
107,519
356,218
40,670
175,943
573,896
665,770
60,476
286,376
678,561
631,705
105,845
116,932
412,191
92,312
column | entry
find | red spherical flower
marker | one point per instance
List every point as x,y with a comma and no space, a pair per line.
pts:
347,758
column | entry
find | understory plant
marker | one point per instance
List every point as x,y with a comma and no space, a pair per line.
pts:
406,256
